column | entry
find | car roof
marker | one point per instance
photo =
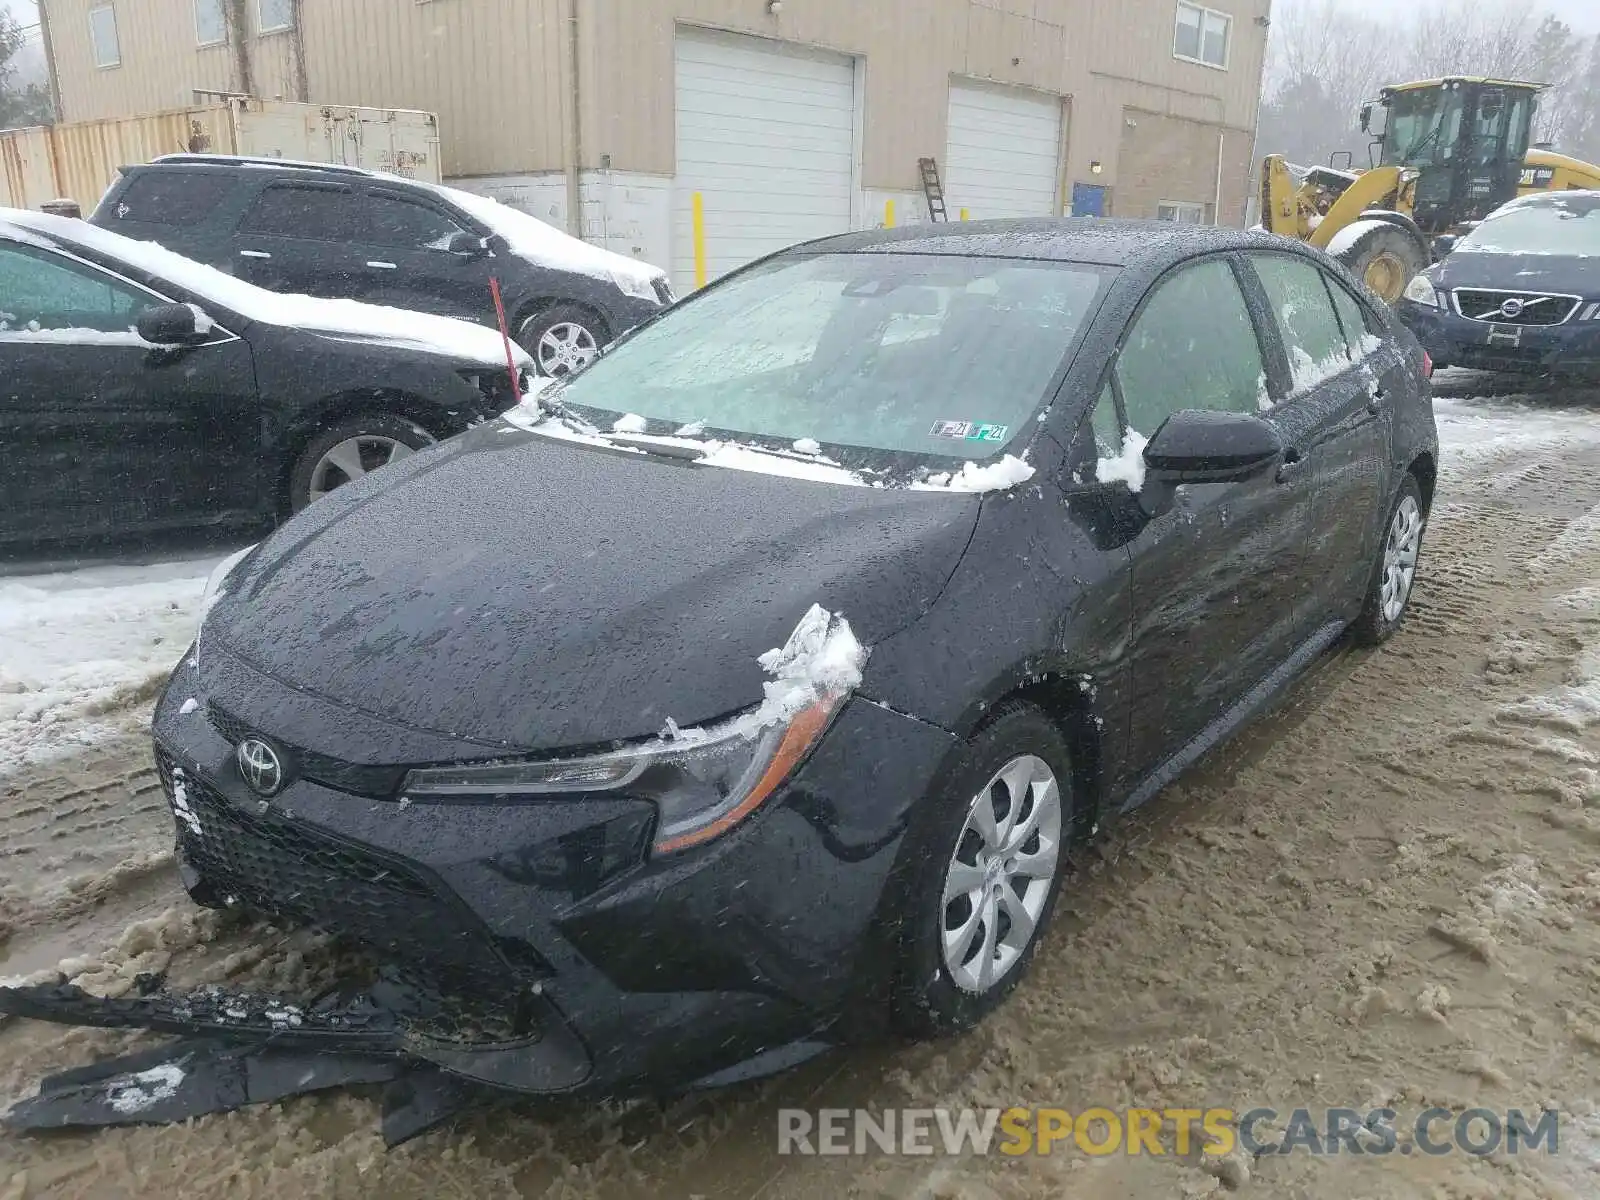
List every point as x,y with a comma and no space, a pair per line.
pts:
259,162
1096,241
1586,199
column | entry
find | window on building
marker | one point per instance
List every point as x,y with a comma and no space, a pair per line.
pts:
210,24
1182,212
103,36
273,16
1203,35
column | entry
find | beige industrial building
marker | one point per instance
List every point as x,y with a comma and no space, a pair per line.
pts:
787,119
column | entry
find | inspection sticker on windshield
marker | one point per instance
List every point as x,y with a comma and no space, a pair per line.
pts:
969,431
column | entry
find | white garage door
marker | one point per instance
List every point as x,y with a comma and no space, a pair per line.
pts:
1005,152
766,135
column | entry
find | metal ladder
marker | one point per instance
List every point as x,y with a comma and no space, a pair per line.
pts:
933,189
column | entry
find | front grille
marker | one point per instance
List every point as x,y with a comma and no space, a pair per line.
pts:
378,782
1526,308
282,870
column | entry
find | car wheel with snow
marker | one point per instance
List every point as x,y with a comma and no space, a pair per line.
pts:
345,452
1395,572
987,863
562,339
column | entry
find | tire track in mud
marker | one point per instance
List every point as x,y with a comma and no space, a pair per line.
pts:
1385,892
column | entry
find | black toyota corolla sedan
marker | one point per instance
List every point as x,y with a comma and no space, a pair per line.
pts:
745,692
1521,292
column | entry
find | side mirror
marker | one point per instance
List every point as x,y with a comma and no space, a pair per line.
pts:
468,245
1205,447
1366,118
174,325
1443,244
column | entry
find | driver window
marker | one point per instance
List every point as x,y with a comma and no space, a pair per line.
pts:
40,291
1193,346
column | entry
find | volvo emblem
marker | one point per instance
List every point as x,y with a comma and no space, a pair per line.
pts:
260,765
1512,308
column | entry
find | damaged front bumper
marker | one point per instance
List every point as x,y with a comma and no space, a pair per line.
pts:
525,948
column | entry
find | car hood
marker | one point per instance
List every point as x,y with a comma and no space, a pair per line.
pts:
1561,274
513,591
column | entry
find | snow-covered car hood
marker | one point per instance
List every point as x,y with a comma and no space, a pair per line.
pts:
510,589
546,246
349,320
1575,276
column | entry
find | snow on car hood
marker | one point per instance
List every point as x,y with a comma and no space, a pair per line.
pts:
347,319
547,595
546,246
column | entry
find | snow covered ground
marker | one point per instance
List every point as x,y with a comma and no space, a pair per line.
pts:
79,646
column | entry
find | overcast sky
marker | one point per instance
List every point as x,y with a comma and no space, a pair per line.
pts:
1582,15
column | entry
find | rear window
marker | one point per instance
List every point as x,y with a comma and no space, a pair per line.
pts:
171,197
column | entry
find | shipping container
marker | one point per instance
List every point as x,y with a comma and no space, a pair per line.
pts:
79,161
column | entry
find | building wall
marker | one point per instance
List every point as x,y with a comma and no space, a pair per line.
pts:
498,72
1173,159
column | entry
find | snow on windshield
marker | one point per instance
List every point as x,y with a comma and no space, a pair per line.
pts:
338,318
1567,226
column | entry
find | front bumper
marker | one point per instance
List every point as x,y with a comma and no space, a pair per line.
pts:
1452,340
544,930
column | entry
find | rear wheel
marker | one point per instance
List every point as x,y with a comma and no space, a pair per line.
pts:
1386,258
1395,573
348,451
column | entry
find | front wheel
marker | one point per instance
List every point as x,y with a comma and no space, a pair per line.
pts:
562,340
1394,575
1386,258
989,854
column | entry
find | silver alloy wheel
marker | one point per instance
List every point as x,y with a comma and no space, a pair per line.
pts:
352,458
1400,552
1001,873
565,348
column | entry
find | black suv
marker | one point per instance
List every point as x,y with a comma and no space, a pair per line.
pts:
338,231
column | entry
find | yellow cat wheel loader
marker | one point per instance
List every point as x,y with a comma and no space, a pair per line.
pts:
1446,154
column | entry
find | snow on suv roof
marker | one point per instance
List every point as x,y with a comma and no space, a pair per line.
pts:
332,318
537,241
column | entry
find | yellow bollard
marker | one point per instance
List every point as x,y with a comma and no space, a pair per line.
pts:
888,214
699,241
963,214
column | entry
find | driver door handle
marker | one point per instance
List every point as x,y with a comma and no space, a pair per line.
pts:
1292,467
384,266
1375,401
254,254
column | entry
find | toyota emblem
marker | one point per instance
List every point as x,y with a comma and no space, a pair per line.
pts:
1512,308
260,765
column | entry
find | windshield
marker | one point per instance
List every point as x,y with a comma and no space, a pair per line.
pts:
1567,226
895,354
1423,127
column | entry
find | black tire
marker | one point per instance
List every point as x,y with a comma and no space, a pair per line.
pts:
305,486
1386,258
1375,625
928,1002
590,338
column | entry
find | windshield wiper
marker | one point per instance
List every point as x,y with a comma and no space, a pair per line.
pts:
658,448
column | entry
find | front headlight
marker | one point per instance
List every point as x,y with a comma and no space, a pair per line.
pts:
703,782
219,577
640,287
1421,291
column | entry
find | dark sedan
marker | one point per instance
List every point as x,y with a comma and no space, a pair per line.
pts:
140,390
1521,292
745,693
